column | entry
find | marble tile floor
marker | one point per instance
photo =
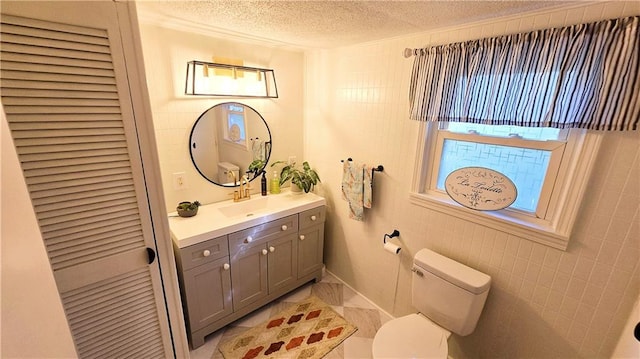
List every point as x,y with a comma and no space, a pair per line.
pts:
342,299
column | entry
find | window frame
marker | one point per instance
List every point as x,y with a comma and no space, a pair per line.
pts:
242,142
555,147
564,195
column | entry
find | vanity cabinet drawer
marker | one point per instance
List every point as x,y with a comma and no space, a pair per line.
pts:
262,233
205,252
312,217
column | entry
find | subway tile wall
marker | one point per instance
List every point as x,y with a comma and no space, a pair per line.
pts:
543,302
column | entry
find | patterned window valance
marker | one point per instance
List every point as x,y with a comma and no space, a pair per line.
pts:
582,76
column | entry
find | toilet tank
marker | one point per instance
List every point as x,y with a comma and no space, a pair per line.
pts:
448,292
223,172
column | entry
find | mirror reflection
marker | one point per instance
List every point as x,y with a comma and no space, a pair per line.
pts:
230,140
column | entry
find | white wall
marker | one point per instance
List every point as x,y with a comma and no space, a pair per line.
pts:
166,53
543,302
33,323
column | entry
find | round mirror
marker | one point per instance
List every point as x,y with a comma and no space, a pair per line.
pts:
230,140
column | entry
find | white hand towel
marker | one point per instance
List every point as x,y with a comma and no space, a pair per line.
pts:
257,149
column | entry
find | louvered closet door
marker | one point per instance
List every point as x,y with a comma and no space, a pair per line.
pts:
66,97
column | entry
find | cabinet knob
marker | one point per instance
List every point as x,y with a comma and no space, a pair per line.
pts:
313,218
206,253
248,240
302,237
284,227
226,266
272,249
264,252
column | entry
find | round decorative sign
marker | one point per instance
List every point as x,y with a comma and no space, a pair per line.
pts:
480,188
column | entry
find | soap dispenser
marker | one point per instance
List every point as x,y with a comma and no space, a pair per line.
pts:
275,183
263,183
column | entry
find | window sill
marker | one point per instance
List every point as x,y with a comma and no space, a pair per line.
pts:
535,230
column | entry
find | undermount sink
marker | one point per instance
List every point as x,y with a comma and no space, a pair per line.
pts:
245,209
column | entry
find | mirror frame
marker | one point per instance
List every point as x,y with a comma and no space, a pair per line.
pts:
267,148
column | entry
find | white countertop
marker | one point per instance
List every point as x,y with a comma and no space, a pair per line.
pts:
217,219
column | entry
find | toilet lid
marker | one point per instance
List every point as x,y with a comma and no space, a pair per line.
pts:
411,336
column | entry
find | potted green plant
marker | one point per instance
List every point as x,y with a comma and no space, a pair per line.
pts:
256,167
188,209
303,178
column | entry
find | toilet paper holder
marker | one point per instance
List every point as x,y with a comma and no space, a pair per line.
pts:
388,246
395,233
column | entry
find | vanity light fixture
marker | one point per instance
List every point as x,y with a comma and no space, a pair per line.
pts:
216,79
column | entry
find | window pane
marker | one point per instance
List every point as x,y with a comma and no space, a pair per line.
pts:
530,133
236,123
525,167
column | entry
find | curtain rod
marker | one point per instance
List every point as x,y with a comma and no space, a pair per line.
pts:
408,52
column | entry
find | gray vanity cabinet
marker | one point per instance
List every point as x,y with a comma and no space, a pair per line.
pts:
263,260
225,278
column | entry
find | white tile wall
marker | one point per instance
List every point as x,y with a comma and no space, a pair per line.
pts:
543,302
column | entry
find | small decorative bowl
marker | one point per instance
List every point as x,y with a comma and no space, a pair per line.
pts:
188,212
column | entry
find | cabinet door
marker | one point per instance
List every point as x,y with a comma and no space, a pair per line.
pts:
310,249
208,293
249,275
282,261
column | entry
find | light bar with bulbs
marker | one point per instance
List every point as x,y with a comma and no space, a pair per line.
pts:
217,79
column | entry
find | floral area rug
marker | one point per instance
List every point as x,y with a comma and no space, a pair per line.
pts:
305,330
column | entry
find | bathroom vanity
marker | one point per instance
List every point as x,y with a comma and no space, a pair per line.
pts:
233,258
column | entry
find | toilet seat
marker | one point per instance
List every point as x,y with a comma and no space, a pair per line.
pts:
411,336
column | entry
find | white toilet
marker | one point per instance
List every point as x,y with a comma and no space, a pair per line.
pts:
449,297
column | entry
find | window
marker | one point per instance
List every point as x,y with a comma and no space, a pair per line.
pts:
530,157
548,166
235,131
578,77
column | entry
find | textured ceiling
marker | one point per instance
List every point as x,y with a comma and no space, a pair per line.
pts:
327,24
